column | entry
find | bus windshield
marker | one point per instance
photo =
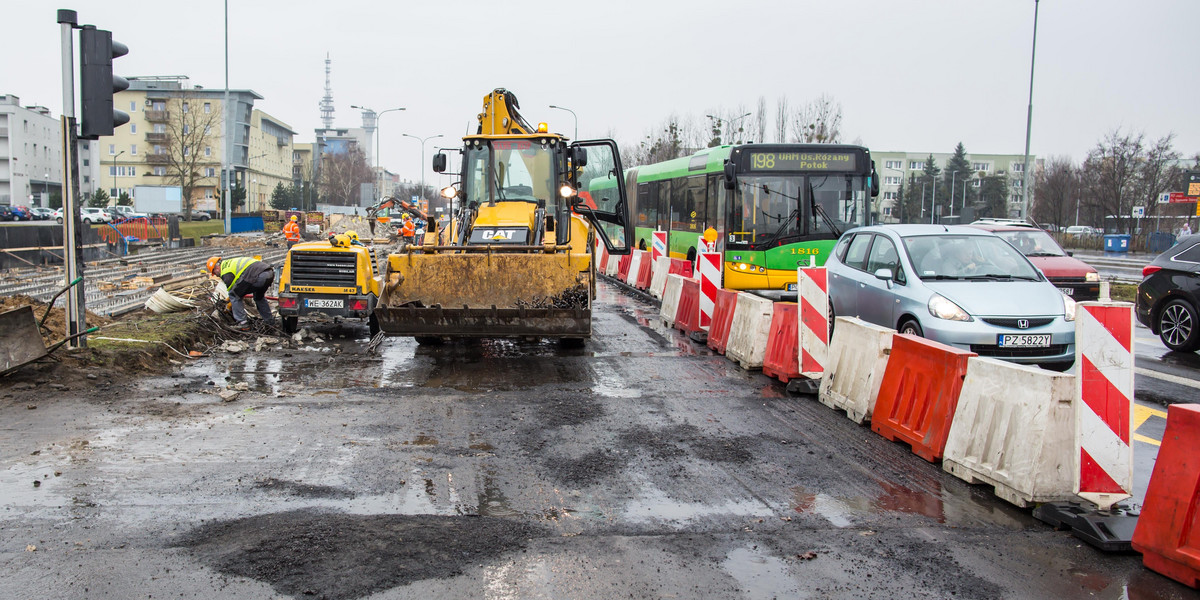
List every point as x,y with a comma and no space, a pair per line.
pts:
779,208
522,170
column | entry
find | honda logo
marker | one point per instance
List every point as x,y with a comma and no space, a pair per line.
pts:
1022,323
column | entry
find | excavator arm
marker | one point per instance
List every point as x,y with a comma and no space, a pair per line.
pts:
500,116
398,204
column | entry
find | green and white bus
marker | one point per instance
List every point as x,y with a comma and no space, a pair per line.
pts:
773,207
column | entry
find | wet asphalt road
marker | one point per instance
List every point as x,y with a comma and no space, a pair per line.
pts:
640,466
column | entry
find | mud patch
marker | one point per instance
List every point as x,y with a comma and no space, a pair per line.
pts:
308,553
586,469
560,411
660,443
304,490
728,450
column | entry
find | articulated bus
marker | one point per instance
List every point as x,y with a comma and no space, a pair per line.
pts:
773,206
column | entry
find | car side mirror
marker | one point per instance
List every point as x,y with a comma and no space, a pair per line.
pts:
439,163
885,274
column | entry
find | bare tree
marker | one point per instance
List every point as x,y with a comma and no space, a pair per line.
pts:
819,121
1157,171
760,120
1111,175
1056,190
342,175
781,120
184,147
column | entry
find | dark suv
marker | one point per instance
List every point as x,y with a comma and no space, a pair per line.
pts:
1168,298
6,213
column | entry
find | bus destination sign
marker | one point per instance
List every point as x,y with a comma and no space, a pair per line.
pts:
803,161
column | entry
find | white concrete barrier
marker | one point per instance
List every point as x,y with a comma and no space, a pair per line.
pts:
614,266
658,282
670,299
635,264
1014,428
750,330
858,355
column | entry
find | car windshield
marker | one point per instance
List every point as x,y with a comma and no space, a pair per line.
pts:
1032,242
969,257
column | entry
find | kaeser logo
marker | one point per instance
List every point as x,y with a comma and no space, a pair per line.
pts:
1022,323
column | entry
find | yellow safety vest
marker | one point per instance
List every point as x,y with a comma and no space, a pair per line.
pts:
237,266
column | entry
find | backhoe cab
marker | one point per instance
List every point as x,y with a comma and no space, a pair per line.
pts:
519,260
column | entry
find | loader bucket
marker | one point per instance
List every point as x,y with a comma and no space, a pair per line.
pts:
486,295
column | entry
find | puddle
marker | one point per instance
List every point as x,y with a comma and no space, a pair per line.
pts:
761,576
653,505
51,491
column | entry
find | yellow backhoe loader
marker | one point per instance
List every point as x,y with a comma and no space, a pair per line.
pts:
517,259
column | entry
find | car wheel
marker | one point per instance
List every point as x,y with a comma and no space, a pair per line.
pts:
912,327
832,319
1178,327
59,219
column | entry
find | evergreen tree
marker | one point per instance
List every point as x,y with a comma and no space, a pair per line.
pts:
98,199
993,197
55,200
123,199
911,200
279,198
958,171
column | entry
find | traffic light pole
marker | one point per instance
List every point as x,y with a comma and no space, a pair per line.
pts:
73,266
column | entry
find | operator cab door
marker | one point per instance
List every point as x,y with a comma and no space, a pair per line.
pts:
594,169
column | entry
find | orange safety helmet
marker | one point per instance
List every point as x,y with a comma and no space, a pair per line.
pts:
213,265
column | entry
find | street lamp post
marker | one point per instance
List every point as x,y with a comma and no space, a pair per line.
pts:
423,140
573,115
378,131
1029,120
118,155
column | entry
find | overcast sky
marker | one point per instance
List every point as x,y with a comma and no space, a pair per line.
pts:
916,75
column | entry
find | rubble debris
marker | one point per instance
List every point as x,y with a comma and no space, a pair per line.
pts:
229,395
234,347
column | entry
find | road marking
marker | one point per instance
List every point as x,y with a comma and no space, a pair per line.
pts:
1141,414
1137,437
1167,377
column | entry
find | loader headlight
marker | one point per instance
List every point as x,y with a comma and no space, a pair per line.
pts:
566,191
449,192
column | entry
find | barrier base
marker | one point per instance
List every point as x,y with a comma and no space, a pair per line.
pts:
1108,530
803,386
700,337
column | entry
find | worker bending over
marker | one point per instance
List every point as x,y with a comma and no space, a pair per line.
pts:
291,232
245,275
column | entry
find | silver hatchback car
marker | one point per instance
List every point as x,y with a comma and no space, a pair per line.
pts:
960,286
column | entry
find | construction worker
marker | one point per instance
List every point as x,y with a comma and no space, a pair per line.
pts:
245,275
408,231
291,231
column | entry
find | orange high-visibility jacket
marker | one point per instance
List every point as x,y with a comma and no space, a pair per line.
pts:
291,231
408,230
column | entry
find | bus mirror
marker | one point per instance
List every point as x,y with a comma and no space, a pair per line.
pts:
874,181
730,175
439,163
578,157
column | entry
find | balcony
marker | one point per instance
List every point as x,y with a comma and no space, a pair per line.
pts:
158,159
157,116
156,137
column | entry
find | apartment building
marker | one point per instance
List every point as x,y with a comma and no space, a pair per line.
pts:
271,161
31,155
895,167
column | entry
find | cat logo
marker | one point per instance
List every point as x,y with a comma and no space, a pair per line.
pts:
497,234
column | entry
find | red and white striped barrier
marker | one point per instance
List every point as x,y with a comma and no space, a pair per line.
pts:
1104,413
710,282
658,277
814,321
635,267
601,255
658,245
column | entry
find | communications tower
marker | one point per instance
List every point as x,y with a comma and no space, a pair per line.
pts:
327,101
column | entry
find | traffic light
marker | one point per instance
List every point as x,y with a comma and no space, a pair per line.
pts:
97,83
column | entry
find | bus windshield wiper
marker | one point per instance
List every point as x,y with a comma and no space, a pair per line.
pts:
816,207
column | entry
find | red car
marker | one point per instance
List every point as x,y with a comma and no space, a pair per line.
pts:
1073,277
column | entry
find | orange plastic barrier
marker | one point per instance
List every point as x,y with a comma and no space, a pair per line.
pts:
623,267
644,273
680,266
782,360
1168,530
687,316
919,394
722,320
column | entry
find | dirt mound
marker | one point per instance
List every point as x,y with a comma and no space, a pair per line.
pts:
332,555
57,322
268,240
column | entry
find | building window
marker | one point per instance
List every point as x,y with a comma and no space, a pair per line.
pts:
112,149
887,211
915,165
185,107
976,182
112,171
208,194
133,149
85,162
133,106
890,195
894,164
210,172
187,129
207,130
159,149
133,128
207,151
892,180
1018,183
207,107
985,167
187,151
160,171
133,171
86,179
160,128
1018,167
